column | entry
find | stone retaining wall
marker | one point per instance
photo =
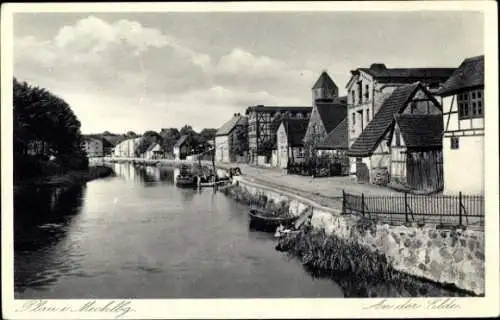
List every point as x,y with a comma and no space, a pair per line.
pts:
444,256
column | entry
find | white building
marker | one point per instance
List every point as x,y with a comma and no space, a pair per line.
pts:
93,146
463,138
290,142
230,139
126,148
155,151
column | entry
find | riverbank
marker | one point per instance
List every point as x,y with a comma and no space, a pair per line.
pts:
451,258
68,179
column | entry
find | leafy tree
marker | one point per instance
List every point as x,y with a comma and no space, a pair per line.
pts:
187,130
169,138
44,126
148,138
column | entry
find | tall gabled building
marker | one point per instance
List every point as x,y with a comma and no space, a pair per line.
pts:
329,110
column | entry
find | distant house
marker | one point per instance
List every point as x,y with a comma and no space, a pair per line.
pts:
369,87
372,148
335,146
328,111
181,147
262,128
154,151
126,148
290,144
93,146
231,139
463,138
417,151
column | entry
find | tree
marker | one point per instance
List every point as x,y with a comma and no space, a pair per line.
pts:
187,130
132,134
169,138
148,138
44,126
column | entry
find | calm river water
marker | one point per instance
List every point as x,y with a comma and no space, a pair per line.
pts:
136,235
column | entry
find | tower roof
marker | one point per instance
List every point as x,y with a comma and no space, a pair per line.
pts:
324,81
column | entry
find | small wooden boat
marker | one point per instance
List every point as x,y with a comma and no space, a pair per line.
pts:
186,180
261,219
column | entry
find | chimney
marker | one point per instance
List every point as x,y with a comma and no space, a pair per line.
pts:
378,66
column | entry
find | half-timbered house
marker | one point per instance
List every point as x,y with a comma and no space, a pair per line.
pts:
262,128
372,148
335,145
463,138
369,87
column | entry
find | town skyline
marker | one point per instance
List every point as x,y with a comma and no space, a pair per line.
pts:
220,63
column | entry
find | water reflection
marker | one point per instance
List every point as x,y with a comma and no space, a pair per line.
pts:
42,218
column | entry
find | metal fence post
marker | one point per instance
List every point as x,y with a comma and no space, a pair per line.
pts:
343,202
406,207
363,204
460,208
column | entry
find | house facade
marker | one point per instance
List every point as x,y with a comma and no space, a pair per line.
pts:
372,149
262,128
334,147
154,151
369,87
93,146
417,151
328,111
181,148
289,142
126,148
463,118
231,139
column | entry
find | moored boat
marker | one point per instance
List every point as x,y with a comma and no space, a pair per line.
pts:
268,220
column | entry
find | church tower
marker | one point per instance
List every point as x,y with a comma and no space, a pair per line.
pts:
324,89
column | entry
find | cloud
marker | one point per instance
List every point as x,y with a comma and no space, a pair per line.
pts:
144,77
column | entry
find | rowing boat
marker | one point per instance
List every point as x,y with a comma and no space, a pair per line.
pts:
268,220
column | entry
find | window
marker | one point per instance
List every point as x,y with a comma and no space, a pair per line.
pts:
454,143
353,119
360,92
367,92
367,115
353,97
470,104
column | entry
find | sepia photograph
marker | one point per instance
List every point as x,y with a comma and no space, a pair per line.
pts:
247,154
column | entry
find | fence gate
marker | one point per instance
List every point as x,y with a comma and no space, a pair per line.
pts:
425,170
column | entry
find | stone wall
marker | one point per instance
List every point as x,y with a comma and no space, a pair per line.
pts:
444,256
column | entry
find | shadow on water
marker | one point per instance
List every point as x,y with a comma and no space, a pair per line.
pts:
406,286
42,217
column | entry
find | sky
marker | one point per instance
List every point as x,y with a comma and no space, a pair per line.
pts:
147,71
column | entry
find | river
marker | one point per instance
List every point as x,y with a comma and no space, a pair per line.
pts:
138,236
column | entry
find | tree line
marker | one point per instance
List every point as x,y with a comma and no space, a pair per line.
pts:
46,133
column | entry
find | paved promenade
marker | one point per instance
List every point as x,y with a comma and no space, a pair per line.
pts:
326,191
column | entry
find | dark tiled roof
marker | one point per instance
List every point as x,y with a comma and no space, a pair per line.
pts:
337,139
181,141
231,124
261,108
296,130
374,131
420,131
331,113
324,81
470,74
407,75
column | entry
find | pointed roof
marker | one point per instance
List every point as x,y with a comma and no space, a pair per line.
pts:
470,74
332,113
227,127
296,130
420,131
336,139
324,81
181,141
368,140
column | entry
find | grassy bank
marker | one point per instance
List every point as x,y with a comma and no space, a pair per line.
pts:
70,178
